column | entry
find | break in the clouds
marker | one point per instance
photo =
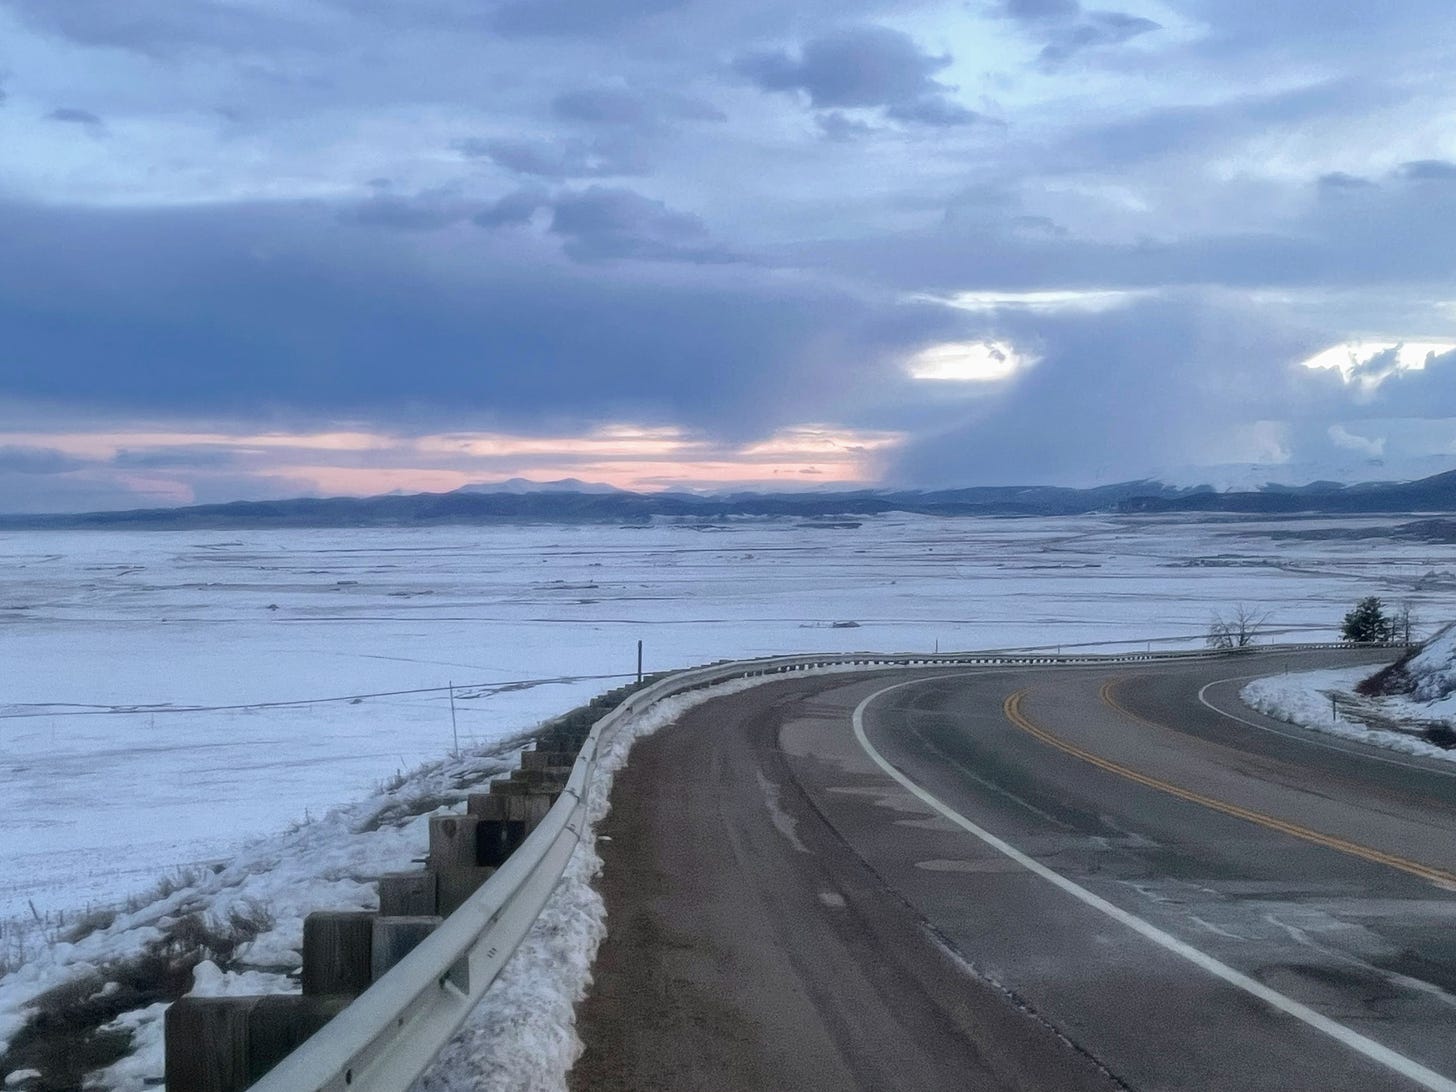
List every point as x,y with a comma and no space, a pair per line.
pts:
662,243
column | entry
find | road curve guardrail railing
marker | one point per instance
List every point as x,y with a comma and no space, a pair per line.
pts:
387,1036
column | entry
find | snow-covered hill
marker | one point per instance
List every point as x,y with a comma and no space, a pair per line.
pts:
1256,477
1428,677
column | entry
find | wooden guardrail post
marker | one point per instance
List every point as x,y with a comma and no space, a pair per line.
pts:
407,894
456,860
224,1044
397,937
337,952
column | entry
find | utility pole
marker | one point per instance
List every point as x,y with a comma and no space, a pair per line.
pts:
454,728
639,663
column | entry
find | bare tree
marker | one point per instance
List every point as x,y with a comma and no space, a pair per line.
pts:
1237,630
1401,622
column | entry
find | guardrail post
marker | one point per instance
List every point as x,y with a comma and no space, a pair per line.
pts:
279,1024
207,1044
529,808
337,952
505,820
554,777
546,759
224,1044
510,787
453,841
564,739
395,938
456,858
407,894
456,885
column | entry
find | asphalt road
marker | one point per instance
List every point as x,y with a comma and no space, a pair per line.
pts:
1065,878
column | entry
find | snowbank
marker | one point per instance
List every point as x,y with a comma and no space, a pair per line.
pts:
331,862
1396,723
1430,675
522,1037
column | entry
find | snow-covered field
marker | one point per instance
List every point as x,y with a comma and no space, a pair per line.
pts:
165,696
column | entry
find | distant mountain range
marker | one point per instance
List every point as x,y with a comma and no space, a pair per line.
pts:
525,485
517,501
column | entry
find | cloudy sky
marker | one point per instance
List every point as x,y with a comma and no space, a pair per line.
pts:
258,248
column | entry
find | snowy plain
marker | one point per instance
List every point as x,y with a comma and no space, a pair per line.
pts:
165,696
181,697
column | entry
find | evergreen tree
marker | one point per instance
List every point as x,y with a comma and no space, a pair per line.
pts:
1367,622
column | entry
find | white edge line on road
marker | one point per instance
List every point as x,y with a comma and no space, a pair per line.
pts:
1308,735
1390,1059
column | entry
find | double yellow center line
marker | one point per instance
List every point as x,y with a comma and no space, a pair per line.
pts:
1012,709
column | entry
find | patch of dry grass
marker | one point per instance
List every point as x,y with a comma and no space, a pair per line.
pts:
65,1036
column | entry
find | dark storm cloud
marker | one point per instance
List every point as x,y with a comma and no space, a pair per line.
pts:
839,126
860,67
253,312
1171,383
932,110
512,210
601,223
36,460
1167,382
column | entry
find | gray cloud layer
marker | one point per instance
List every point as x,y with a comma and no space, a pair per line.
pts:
861,67
729,217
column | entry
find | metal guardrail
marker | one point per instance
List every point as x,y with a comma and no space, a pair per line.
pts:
390,1033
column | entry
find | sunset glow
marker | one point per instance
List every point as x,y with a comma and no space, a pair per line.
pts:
153,466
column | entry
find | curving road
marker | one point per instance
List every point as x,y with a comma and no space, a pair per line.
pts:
1051,878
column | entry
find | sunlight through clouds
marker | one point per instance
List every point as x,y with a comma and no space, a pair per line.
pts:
968,362
1367,364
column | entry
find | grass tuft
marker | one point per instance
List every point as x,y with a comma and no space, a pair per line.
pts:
65,1036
